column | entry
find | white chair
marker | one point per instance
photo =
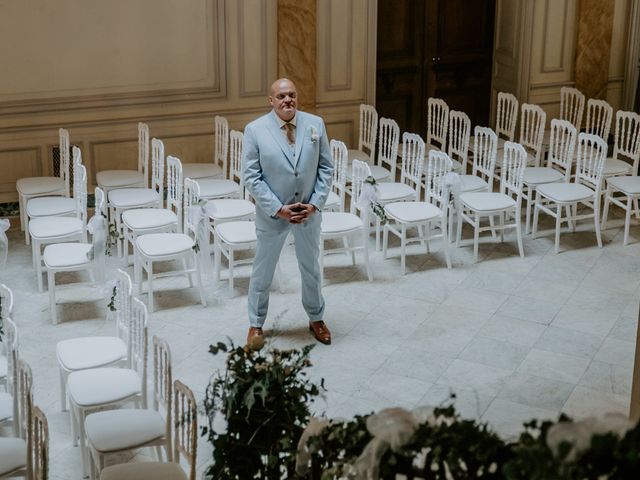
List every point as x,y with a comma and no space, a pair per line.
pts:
9,411
169,246
31,187
185,442
388,142
629,189
47,230
121,430
108,387
626,150
343,225
562,142
83,353
130,198
506,118
6,308
366,135
52,206
113,179
532,124
599,114
437,124
586,189
214,188
218,166
141,221
76,257
572,106
421,214
459,133
473,206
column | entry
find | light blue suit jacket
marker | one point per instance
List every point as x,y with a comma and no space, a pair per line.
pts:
277,175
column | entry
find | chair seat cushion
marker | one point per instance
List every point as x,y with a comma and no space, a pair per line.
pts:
226,208
200,170
215,187
50,206
472,183
388,191
158,244
627,185
144,471
616,167
90,352
97,386
144,218
39,185
13,454
540,175
237,232
122,429
354,154
110,179
456,166
565,192
131,197
410,212
333,200
6,406
337,222
54,226
379,173
487,201
61,255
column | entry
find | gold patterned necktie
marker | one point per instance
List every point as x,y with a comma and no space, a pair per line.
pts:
291,135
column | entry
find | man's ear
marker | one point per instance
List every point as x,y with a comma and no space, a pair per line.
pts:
270,100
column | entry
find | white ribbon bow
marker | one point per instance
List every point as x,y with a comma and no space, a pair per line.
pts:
368,198
4,242
98,229
198,214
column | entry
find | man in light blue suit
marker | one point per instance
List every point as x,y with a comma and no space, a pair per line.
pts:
287,168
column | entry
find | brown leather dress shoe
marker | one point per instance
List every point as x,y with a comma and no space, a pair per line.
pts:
255,338
320,332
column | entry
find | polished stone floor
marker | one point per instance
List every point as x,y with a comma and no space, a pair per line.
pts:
513,338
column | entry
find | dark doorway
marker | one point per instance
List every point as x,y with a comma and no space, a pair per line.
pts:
434,48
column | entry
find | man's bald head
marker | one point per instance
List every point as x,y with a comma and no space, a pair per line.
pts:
284,98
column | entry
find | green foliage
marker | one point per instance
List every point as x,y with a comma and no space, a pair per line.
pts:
112,238
1,321
112,300
377,208
263,396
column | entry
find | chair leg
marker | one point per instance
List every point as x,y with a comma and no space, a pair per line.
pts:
231,261
536,211
627,220
348,249
377,233
527,221
459,228
51,285
22,205
83,443
149,269
199,280
403,250
74,425
445,242
558,224
501,217
519,234
63,390
38,261
385,241
596,219
605,209
26,231
476,237
185,268
366,252
216,256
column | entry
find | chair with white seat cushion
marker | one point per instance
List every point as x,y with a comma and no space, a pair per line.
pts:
627,189
6,307
109,387
572,106
214,188
185,444
76,257
52,206
47,230
532,124
485,144
109,180
384,170
562,142
421,215
599,115
120,430
366,135
437,125
168,246
31,187
343,225
585,189
82,353
123,199
626,150
458,145
506,118
218,166
473,206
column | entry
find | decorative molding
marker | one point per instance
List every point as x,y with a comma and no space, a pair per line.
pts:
372,46
544,67
264,87
348,45
632,64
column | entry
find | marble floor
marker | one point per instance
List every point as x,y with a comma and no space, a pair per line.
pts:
513,338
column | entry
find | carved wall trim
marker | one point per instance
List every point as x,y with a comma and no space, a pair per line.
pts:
264,87
328,5
545,68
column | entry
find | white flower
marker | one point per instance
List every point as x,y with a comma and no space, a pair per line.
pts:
314,134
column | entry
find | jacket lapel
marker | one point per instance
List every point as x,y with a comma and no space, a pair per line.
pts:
278,136
300,132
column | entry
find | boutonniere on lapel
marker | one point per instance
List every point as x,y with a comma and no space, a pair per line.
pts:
313,134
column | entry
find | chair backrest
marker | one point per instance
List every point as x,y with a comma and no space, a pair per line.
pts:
485,148
22,396
368,129
532,123
572,106
10,342
506,116
162,380
599,114
192,215
100,202
562,144
436,191
175,185
413,148
185,423
157,167
437,122
339,181
138,339
63,134
80,193
77,160
388,142
235,155
6,302
143,151
627,143
359,172
459,133
592,153
120,304
221,145
39,445
512,175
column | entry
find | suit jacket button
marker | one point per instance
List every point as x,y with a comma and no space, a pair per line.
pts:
296,174
296,194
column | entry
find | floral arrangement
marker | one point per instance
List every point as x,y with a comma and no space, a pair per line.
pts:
1,321
372,198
